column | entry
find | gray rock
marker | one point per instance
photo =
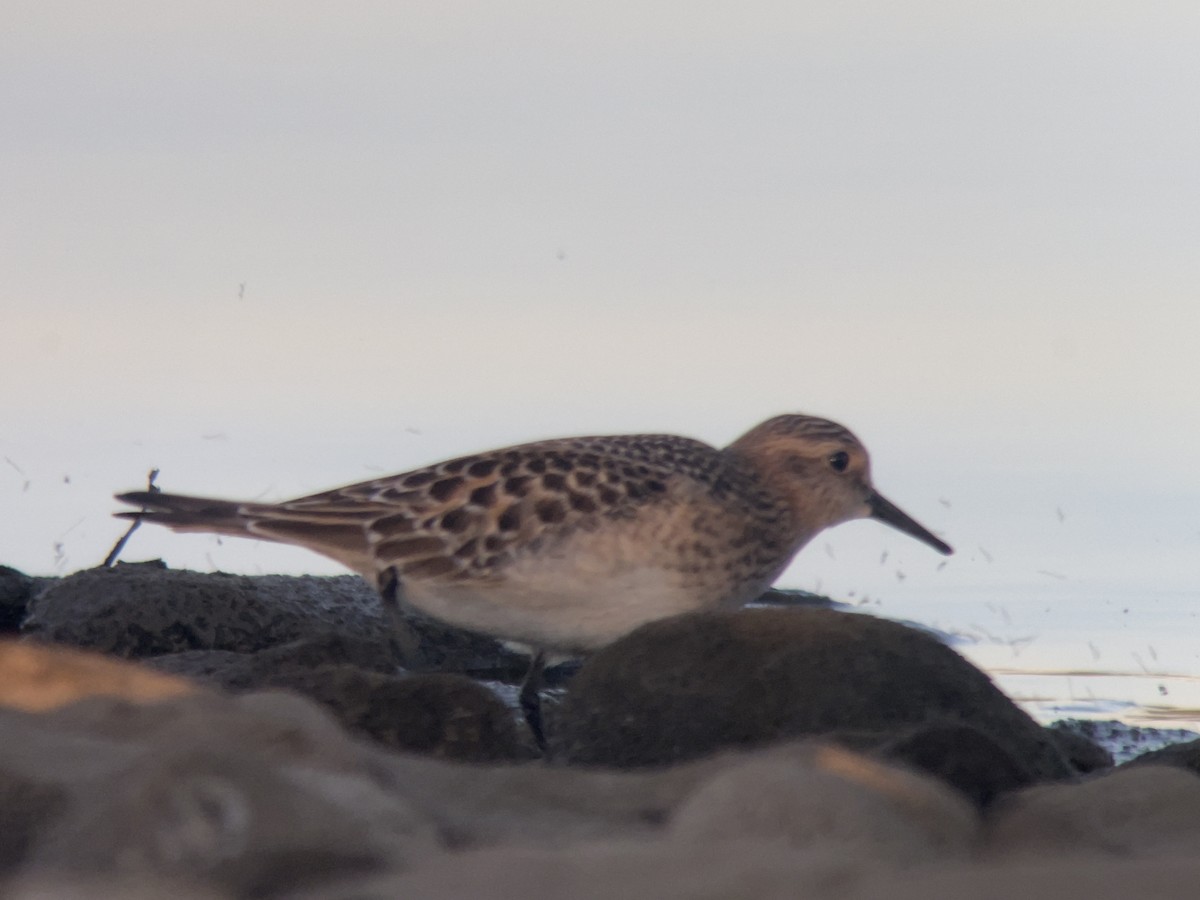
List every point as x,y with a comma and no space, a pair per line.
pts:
140,610
737,870
198,789
615,868
824,798
1146,811
106,887
227,817
264,794
144,610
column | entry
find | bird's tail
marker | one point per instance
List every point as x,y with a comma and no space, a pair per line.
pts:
339,533
183,513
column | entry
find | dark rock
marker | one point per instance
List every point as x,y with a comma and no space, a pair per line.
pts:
248,671
684,687
962,756
16,590
1084,754
1124,741
434,647
443,715
1182,756
222,668
144,610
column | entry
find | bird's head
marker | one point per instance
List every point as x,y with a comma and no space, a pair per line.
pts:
825,473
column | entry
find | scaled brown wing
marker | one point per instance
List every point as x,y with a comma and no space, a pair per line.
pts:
468,515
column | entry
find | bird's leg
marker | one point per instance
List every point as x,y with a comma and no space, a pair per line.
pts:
531,702
405,640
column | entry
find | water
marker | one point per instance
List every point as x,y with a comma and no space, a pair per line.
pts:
1062,652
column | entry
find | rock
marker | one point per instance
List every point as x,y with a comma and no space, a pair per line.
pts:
249,671
1050,879
1183,756
607,869
263,794
445,715
1133,811
106,887
442,715
31,807
35,677
733,870
684,687
223,816
144,610
962,756
16,590
195,789
434,647
830,799
1123,741
1084,754
86,744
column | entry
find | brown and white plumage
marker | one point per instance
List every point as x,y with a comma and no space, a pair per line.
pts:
568,544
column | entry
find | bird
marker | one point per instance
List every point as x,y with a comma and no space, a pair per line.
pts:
565,545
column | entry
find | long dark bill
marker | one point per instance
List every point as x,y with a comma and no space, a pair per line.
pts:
886,511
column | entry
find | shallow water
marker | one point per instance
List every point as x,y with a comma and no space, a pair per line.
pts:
1070,653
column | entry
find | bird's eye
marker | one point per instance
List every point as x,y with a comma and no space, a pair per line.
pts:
839,461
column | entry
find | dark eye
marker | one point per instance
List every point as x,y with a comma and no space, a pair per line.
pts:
838,461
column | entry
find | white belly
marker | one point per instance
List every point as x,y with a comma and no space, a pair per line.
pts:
577,597
563,610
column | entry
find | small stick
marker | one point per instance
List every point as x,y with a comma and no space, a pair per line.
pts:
111,559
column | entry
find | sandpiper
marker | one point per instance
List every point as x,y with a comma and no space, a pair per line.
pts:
565,545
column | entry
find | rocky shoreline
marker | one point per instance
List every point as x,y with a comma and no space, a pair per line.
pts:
174,733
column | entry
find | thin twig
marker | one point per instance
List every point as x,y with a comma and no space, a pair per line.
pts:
111,559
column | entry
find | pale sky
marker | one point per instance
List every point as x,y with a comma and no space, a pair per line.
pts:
271,248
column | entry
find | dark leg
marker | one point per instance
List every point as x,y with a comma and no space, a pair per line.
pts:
405,640
531,703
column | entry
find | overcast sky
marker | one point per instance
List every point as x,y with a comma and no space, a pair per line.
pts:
274,247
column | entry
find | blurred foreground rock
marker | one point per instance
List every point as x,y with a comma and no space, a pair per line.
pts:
797,753
265,795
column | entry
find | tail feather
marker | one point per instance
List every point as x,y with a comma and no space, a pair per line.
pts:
183,513
339,534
